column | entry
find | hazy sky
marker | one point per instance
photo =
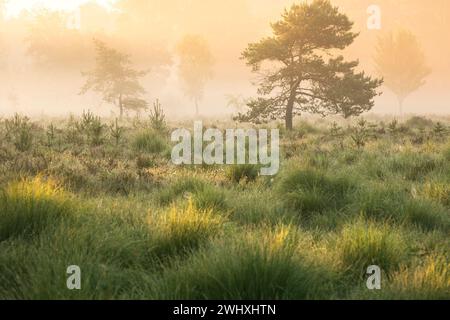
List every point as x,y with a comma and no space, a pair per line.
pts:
149,30
14,7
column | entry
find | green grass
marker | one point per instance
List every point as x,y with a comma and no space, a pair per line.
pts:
142,228
255,266
29,206
361,244
149,141
309,191
243,172
182,229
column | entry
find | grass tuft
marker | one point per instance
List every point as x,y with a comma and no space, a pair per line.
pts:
181,229
29,206
362,244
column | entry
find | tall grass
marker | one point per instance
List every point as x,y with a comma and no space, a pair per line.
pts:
361,244
29,206
150,142
310,191
141,228
255,266
180,229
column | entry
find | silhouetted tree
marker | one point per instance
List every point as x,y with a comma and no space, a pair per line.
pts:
195,67
401,61
300,79
114,77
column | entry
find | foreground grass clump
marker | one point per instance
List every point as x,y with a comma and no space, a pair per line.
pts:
309,191
362,244
181,229
429,280
259,265
29,206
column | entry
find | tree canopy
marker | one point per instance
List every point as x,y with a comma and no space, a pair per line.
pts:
401,61
304,73
114,77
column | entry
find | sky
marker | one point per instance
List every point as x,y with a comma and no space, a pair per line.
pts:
41,64
14,7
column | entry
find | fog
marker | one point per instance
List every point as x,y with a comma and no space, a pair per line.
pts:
43,51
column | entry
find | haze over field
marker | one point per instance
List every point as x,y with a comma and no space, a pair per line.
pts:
45,45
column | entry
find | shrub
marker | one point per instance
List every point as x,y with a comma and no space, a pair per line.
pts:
360,134
157,117
362,244
116,131
144,162
120,179
18,130
29,206
70,170
419,122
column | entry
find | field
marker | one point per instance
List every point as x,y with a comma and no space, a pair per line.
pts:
103,194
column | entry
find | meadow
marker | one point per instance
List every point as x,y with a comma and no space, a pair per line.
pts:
103,194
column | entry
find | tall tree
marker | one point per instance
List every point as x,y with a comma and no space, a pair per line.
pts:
195,67
298,78
401,61
114,77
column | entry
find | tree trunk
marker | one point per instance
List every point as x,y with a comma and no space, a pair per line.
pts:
290,104
289,113
196,108
121,106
